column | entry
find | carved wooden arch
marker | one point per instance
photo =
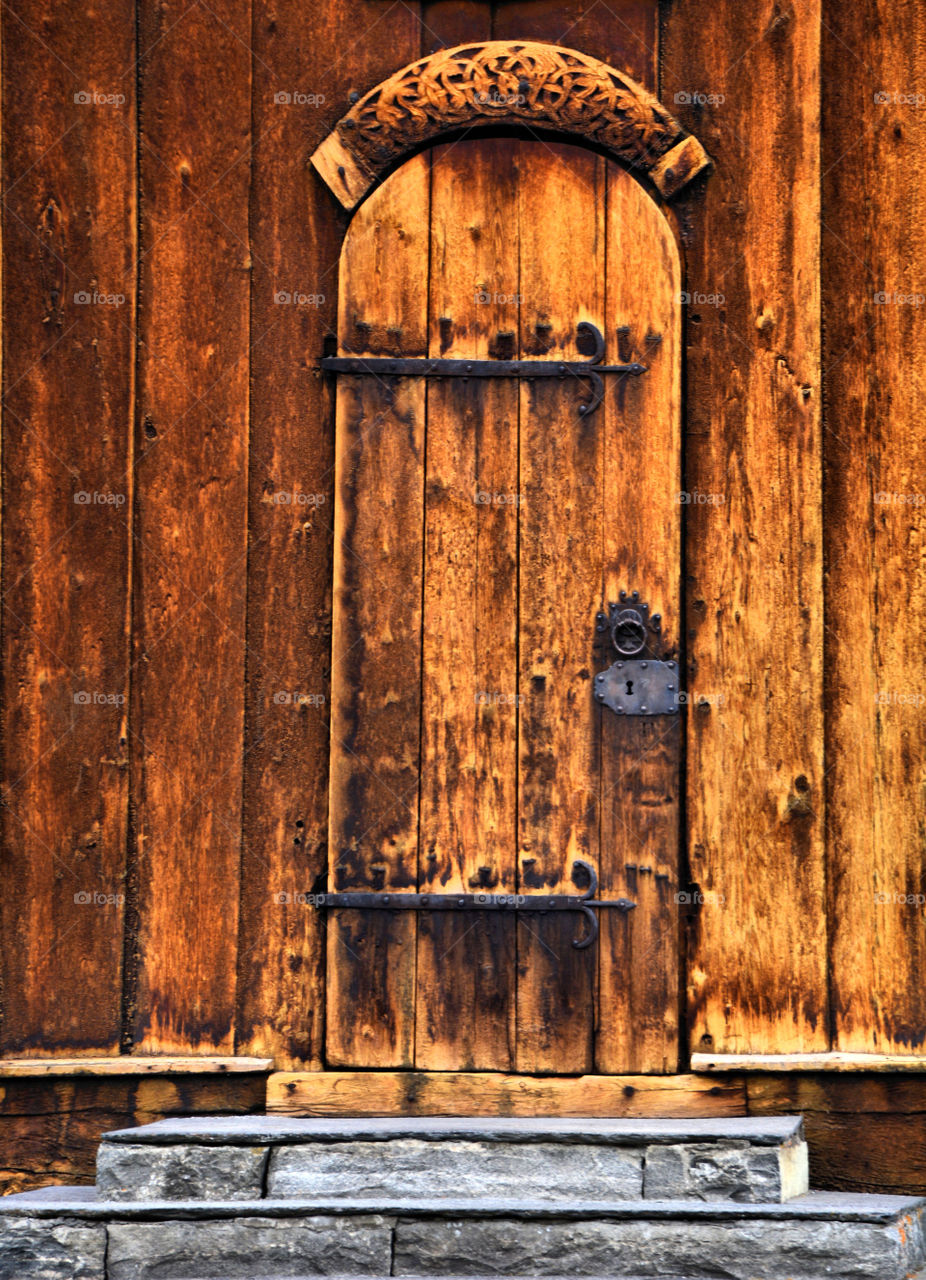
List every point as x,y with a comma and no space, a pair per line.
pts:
502,82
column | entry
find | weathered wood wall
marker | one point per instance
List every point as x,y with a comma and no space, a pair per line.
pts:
165,626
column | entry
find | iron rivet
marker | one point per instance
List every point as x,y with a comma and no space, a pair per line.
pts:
643,709
461,902
670,664
643,664
670,687
620,711
385,898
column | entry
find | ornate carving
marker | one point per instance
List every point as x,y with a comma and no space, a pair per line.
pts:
505,83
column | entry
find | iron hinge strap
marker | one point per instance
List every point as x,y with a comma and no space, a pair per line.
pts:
586,903
420,367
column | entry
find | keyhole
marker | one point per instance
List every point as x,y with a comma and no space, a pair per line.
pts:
630,686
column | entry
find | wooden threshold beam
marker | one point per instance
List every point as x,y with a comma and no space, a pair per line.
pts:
462,1093
131,1066
769,1062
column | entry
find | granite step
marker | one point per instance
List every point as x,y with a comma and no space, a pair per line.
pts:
71,1234
746,1159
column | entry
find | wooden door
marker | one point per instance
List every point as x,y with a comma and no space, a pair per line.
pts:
479,527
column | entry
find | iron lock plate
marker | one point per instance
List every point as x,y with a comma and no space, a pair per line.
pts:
639,687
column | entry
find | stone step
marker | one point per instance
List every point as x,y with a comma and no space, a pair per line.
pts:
746,1159
70,1234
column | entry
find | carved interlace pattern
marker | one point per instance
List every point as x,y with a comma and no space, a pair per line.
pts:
504,83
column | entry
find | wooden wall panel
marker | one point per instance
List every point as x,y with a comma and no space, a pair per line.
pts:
190,527
754,553
623,32
50,1129
446,23
874,164
68,351
296,232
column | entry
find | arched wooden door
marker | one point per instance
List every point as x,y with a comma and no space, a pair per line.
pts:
480,525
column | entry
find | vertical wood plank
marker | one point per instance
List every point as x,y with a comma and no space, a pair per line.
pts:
623,32
562,204
874,142
376,625
296,234
466,960
190,532
638,1010
447,23
754,538
69,290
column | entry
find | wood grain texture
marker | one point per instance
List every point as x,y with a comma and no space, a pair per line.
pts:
68,301
874,163
622,32
837,1061
455,1093
123,1065
50,1129
447,23
376,628
639,972
562,270
757,980
469,714
889,1111
296,233
191,520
